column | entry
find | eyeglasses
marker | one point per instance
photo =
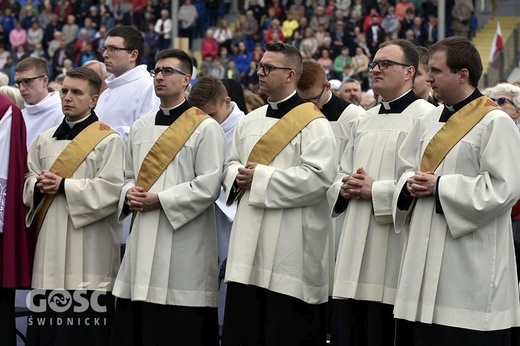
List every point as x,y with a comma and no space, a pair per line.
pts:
383,64
501,100
317,99
111,49
26,81
266,69
166,71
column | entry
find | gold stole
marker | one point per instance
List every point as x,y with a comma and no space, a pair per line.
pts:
281,133
166,147
71,157
457,126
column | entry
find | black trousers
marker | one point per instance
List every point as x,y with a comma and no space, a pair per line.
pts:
422,334
256,316
516,239
363,323
147,324
80,325
7,319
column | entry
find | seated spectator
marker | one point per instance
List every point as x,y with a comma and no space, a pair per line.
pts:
91,29
3,55
50,30
431,30
20,53
59,56
39,52
390,24
34,35
55,44
321,35
242,58
209,46
342,62
419,31
69,31
402,7
63,9
361,61
320,17
87,54
289,25
325,60
250,78
28,10
296,10
94,16
45,17
309,44
251,30
406,23
163,28
274,29
28,20
108,20
81,45
223,35
18,37
187,19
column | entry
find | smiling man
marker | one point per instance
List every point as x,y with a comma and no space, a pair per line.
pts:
72,189
167,284
42,109
367,265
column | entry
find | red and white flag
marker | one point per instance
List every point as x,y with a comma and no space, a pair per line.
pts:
497,45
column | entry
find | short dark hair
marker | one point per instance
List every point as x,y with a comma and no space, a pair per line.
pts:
460,54
32,63
88,74
132,37
410,55
423,55
207,89
292,55
184,58
312,74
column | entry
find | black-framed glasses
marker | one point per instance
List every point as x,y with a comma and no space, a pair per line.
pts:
384,64
317,99
166,71
26,81
111,49
501,100
266,69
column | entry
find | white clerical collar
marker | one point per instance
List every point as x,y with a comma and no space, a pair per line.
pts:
166,111
386,105
328,98
50,101
450,108
274,105
72,123
137,72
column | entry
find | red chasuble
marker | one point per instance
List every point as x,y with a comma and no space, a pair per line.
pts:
17,241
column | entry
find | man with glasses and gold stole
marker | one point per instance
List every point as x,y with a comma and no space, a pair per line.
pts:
72,190
42,109
167,284
282,160
458,284
130,93
369,253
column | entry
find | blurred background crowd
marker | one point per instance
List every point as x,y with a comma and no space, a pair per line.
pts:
340,35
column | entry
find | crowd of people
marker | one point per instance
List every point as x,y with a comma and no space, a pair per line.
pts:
300,209
341,35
